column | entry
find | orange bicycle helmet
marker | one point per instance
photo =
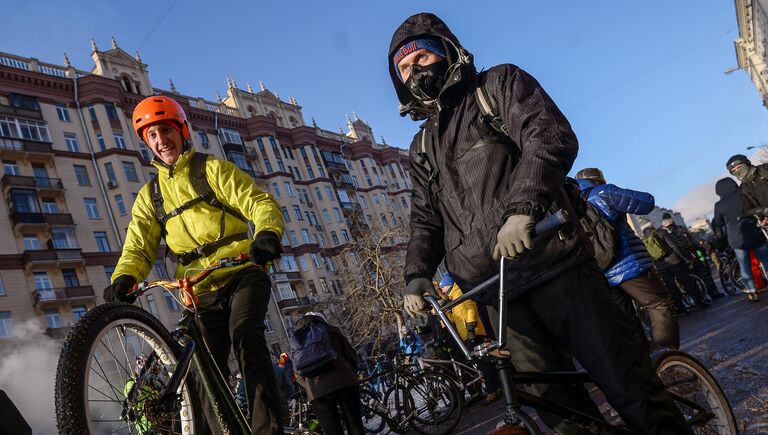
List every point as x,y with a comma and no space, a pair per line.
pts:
152,110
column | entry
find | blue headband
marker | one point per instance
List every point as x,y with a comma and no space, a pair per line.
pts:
447,280
432,44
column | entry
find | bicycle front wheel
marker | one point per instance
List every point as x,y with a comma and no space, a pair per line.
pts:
98,387
371,405
434,403
696,393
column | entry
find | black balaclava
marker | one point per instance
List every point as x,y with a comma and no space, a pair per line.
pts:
426,82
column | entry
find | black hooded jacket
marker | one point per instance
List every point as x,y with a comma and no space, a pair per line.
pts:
742,233
754,191
467,177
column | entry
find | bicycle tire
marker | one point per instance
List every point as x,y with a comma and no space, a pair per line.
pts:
72,393
734,271
426,392
671,362
727,279
368,402
400,419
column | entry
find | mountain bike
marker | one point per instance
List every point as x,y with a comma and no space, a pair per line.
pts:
99,388
426,401
465,375
301,420
694,390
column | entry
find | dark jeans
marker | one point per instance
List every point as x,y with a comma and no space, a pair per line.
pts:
330,416
742,255
680,271
574,315
650,293
233,318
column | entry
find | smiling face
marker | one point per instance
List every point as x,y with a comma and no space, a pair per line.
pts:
165,141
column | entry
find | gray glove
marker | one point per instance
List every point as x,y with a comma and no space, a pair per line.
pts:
514,237
413,296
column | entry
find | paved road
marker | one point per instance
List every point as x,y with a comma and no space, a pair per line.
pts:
729,338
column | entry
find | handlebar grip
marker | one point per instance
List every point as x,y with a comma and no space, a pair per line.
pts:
551,222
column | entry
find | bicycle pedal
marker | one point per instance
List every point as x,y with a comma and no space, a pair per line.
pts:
500,353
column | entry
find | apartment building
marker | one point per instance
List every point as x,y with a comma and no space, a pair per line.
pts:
72,167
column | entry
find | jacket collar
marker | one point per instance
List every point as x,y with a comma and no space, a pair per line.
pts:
168,170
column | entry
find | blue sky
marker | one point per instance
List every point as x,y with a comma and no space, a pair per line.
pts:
642,83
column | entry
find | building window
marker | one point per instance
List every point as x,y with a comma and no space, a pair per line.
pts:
78,311
24,201
110,172
288,189
329,193
10,167
24,129
276,189
91,208
338,214
171,302
119,140
70,278
376,199
160,269
130,172
63,238
321,171
260,143
111,112
335,238
6,324
310,172
92,112
50,206
109,270
268,326
280,165
120,204
52,319
405,203
320,240
102,243
345,235
303,262
100,140
326,216
305,236
286,215
81,173
152,305
144,153
292,238
319,194
63,112
31,242
289,263
297,212
203,138
384,221
71,141
2,287
42,282
267,165
316,261
230,136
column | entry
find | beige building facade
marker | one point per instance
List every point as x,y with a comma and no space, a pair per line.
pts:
752,43
72,167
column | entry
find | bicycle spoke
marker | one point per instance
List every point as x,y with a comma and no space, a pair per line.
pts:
118,392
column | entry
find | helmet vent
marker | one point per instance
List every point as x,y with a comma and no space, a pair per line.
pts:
160,113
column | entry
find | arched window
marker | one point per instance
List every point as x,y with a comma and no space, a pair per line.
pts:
127,84
293,122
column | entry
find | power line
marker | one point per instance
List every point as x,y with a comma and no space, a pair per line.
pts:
157,24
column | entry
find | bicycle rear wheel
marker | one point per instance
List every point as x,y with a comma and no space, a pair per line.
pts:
97,369
371,406
696,393
434,402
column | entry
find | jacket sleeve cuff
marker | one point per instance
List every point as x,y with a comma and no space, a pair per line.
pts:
525,209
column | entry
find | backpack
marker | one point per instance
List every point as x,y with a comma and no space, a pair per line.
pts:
199,181
604,235
656,246
311,349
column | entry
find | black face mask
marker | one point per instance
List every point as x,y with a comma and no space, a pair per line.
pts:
425,82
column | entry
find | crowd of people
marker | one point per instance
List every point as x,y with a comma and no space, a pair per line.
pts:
490,159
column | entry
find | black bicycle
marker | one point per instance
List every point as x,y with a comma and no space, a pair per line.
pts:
694,390
100,388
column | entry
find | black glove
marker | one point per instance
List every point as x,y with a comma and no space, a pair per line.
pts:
265,248
413,296
118,291
471,330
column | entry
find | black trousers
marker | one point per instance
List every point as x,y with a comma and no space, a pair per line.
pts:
330,416
573,315
680,271
486,368
650,293
702,270
232,318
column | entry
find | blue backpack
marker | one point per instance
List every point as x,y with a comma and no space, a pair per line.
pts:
311,349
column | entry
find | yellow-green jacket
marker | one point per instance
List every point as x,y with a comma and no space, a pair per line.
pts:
465,312
199,224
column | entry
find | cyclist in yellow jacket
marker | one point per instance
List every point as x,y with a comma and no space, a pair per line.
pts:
466,318
201,206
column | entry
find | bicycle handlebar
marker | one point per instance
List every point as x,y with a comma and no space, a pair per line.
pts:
545,225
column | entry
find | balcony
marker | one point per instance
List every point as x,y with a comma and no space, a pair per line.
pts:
333,165
52,297
59,219
285,276
40,220
43,184
287,305
58,333
230,147
13,147
22,112
58,257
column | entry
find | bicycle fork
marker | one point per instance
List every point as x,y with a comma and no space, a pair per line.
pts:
168,395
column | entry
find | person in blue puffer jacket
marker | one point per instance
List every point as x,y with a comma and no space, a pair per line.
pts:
632,273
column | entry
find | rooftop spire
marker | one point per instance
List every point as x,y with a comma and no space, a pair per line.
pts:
250,89
93,45
173,87
66,60
114,43
218,97
314,123
261,85
138,56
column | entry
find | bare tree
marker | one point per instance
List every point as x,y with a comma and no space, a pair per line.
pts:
370,309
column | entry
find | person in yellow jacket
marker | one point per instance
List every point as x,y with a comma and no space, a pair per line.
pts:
466,318
200,228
